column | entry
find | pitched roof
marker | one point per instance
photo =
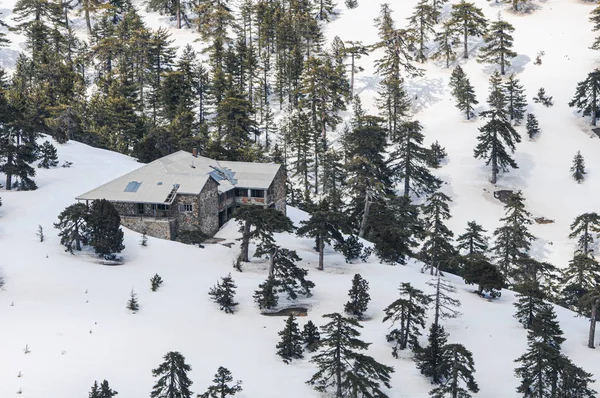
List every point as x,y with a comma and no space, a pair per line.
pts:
182,173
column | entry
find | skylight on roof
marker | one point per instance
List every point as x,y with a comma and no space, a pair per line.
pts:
132,186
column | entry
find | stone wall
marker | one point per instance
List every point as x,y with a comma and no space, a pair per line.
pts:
163,228
209,208
278,189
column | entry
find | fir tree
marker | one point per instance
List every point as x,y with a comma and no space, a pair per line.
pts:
497,135
473,241
542,98
595,19
498,45
132,303
40,233
587,96
266,296
47,155
429,359
106,236
72,223
513,239
437,154
172,376
468,19
155,282
359,297
458,367
579,278
325,9
341,365
221,387
351,4
288,277
444,306
578,168
445,39
421,23
463,92
582,229
290,345
311,336
515,99
409,311
102,391
409,160
437,251
480,271
223,293
532,126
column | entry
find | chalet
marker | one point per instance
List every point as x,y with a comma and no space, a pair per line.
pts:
187,192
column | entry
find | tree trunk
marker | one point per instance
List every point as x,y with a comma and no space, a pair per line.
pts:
466,36
338,369
594,105
86,13
178,7
365,217
494,165
593,324
9,160
272,262
321,253
245,241
352,75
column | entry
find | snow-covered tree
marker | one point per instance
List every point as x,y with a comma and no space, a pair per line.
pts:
587,96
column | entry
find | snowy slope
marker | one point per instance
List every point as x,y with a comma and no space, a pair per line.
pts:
77,337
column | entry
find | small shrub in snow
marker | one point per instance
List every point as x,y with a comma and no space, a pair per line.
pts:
67,164
542,99
26,350
351,4
223,293
437,154
578,168
221,387
40,233
132,303
155,282
532,126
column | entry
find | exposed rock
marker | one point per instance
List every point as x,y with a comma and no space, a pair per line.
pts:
543,220
503,195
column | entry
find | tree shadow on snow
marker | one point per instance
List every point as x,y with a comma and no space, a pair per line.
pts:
365,83
424,92
8,58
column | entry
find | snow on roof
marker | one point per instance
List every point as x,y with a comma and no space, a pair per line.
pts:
182,173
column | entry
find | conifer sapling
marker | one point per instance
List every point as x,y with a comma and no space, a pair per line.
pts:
532,126
40,233
132,303
359,297
221,387
311,336
290,345
223,294
155,282
578,168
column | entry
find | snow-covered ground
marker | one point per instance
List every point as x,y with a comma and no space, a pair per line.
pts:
70,311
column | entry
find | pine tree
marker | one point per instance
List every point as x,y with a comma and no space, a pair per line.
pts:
595,19
47,155
325,9
473,241
498,45
288,277
410,311
437,251
445,39
311,336
351,4
421,23
106,236
290,345
155,282
72,223
458,366
266,296
463,92
497,135
444,306
223,293
583,228
587,96
468,19
342,366
579,278
532,126
542,98
513,239
359,297
578,168
172,376
40,233
437,154
429,359
480,271
102,391
221,387
132,303
409,160
516,101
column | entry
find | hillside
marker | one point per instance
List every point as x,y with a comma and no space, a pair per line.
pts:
70,310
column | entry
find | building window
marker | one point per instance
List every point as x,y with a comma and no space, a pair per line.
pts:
257,193
140,209
186,207
230,194
160,207
241,192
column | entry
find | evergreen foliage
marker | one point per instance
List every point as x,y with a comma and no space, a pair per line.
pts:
446,38
290,345
132,303
352,249
541,98
578,168
287,276
444,306
40,233
173,380
47,155
583,228
437,251
421,24
516,101
155,282
595,19
473,241
266,296
102,391
342,367
463,92
497,135
478,270
469,20
106,235
223,293
221,387
74,230
430,359
498,45
359,297
532,126
311,336
407,314
351,4
458,367
587,96
437,154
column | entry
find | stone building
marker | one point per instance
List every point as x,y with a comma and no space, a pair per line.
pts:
187,192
